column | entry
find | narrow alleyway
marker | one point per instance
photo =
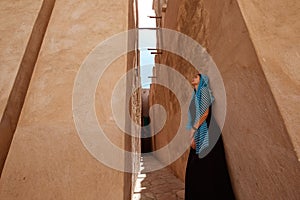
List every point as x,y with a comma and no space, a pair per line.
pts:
157,185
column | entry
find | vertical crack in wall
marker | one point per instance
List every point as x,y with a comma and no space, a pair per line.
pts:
18,93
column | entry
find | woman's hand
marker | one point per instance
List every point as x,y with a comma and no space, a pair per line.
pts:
202,118
193,144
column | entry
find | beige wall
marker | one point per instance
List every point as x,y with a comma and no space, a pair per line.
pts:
47,160
23,27
274,30
259,145
16,28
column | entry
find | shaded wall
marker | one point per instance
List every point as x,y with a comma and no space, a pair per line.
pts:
46,159
260,149
274,30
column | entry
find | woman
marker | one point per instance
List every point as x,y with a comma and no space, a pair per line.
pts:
206,178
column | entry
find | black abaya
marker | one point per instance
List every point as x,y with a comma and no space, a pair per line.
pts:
207,178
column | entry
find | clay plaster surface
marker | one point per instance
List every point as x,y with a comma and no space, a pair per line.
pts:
274,29
260,148
16,22
47,159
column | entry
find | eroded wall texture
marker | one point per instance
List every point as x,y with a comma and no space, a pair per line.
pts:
47,159
255,45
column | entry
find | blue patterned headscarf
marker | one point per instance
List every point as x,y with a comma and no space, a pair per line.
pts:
202,98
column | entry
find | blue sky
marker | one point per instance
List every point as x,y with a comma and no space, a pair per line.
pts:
147,39
147,62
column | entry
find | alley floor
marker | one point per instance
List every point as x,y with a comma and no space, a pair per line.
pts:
157,185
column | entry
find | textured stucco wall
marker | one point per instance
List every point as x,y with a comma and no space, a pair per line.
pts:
47,160
274,30
15,29
15,67
259,146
